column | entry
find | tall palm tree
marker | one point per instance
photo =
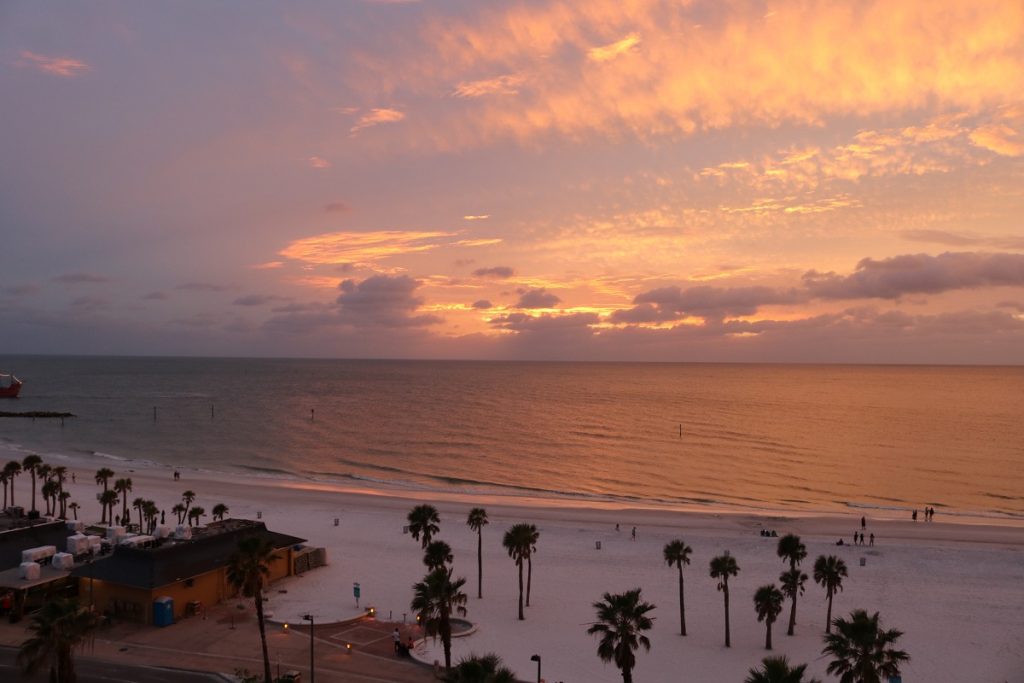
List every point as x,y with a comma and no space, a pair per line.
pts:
108,499
534,536
517,542
137,505
59,628
64,496
829,573
195,513
861,651
722,567
435,599
13,469
793,581
768,603
778,670
151,511
437,555
480,669
103,477
476,521
4,478
74,509
678,553
424,521
123,487
180,510
248,570
30,465
49,492
792,550
187,498
219,510
621,621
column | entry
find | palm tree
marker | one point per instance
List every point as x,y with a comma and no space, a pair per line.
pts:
30,465
517,542
64,496
424,521
768,603
534,536
829,573
248,570
4,478
437,555
476,521
180,510
59,628
187,498
778,670
49,492
108,499
137,504
722,567
103,476
480,669
791,550
678,553
123,487
621,621
862,652
219,510
195,513
435,599
793,581
150,510
74,509
13,469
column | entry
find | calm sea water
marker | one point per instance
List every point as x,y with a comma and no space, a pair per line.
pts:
756,437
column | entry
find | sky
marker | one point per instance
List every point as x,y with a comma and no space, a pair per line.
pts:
639,180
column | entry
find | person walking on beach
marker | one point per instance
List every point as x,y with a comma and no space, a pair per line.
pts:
872,537
913,515
634,534
863,523
397,638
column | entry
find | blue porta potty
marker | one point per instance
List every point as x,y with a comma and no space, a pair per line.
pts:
163,611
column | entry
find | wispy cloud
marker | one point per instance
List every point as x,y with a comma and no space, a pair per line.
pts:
375,117
508,84
480,217
81,278
362,247
613,50
318,162
55,66
201,287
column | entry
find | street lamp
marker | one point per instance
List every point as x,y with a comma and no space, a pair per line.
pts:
536,658
312,670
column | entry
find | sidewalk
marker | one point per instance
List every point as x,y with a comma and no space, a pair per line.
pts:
228,639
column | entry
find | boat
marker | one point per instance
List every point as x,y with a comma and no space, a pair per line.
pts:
9,386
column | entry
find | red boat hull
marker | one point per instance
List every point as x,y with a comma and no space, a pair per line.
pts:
11,391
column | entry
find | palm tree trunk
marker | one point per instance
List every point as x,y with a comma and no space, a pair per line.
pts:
627,674
521,617
263,636
682,603
33,490
828,617
725,590
792,616
479,565
529,578
446,639
768,636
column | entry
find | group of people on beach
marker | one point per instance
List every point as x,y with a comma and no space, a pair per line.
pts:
402,649
929,514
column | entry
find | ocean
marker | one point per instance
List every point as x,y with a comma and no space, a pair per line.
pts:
755,438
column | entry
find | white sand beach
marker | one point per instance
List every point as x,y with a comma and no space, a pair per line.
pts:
956,590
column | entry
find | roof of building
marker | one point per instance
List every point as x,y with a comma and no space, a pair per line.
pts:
208,549
14,540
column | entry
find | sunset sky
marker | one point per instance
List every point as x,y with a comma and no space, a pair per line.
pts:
543,179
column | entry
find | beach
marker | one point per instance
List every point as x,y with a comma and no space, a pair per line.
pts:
955,590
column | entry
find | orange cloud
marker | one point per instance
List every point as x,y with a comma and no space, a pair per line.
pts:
803,63
361,247
55,66
319,162
376,117
501,85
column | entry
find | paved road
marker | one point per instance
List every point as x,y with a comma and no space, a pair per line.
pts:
95,671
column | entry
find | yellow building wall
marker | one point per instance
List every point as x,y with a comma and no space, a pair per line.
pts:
210,589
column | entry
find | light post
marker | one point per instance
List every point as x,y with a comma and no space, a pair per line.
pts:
536,658
312,670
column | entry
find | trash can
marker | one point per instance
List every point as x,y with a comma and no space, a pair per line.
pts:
163,611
